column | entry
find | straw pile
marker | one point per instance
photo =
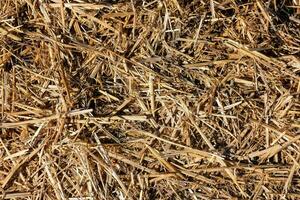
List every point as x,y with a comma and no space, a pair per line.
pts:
149,99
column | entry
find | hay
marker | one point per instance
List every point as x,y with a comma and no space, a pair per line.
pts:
149,99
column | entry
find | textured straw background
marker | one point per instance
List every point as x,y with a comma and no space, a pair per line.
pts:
149,99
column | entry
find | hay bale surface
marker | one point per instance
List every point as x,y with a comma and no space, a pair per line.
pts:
149,99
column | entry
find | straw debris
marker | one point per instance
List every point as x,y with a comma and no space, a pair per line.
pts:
149,99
